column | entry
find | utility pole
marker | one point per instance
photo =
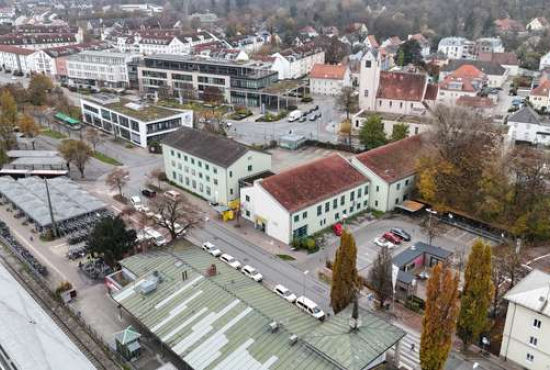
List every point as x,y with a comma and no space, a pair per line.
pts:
54,225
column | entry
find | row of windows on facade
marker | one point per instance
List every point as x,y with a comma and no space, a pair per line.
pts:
192,161
190,183
533,341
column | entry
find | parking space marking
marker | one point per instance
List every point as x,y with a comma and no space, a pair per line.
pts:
58,246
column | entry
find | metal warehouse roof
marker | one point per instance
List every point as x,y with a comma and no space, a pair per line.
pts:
220,322
68,200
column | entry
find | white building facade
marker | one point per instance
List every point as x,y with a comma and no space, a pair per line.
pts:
295,66
526,335
456,47
328,79
139,123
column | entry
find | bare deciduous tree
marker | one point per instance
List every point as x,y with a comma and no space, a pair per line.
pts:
380,276
93,136
117,179
175,215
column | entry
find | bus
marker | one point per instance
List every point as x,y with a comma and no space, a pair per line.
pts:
64,119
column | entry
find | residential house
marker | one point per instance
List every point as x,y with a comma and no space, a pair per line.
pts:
495,73
393,41
140,123
309,31
41,41
297,62
325,79
488,45
508,60
7,16
508,25
479,104
527,126
248,43
467,81
392,92
539,24
423,42
539,97
391,170
211,165
306,199
100,68
456,48
15,58
526,339
544,61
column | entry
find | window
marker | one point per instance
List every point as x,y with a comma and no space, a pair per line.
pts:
230,173
359,193
537,323
377,188
416,130
406,182
376,203
530,357
304,215
335,203
192,160
352,195
187,181
396,200
366,190
401,105
215,170
366,93
201,188
206,166
172,153
365,203
398,186
194,184
368,64
174,175
200,175
208,190
186,169
391,103
231,191
342,200
337,216
358,206
215,181
351,210
247,198
319,210
250,168
533,341
207,178
199,163
193,172
185,158
296,218
247,213
327,206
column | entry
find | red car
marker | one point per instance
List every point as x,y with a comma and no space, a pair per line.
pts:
392,238
338,228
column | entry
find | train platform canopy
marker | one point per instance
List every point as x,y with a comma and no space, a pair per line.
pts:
29,338
68,200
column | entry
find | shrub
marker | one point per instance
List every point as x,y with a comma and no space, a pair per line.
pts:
296,243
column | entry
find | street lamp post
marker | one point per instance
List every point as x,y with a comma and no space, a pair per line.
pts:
304,283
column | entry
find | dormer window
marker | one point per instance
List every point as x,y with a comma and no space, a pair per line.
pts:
368,64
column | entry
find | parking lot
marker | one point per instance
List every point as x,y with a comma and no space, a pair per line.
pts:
452,239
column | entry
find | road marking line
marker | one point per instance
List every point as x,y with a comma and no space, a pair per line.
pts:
58,246
44,259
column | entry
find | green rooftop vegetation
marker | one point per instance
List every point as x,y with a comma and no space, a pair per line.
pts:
146,113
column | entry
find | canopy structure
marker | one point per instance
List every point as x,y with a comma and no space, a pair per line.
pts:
67,119
410,206
68,200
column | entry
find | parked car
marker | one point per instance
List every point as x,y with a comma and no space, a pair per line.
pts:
211,249
138,204
294,115
310,307
338,229
285,293
392,238
148,193
231,261
401,233
381,242
156,237
252,273
313,117
302,119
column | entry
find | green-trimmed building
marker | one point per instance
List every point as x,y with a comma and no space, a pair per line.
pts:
214,318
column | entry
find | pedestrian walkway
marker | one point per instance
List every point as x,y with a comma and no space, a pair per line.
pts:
409,357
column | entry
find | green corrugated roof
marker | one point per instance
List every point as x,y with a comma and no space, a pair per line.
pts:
219,322
354,349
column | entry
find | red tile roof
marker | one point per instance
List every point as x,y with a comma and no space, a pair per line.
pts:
508,59
543,89
312,183
475,102
401,86
397,160
11,49
327,71
467,71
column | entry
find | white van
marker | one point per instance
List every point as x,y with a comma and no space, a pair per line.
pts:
310,307
157,237
138,205
294,115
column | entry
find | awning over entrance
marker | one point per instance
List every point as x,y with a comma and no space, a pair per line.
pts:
410,206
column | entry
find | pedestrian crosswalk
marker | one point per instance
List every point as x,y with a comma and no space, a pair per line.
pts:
409,357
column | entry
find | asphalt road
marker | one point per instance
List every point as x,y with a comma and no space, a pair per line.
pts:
274,270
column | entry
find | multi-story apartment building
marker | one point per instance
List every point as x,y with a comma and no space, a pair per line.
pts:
140,123
326,79
526,337
306,199
105,68
38,41
14,58
456,47
238,82
211,165
297,62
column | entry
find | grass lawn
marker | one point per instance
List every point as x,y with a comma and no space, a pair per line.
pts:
53,134
286,257
106,159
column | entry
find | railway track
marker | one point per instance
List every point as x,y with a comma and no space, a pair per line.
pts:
91,347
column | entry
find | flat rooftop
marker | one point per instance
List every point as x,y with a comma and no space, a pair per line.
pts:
205,60
142,111
30,338
222,321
